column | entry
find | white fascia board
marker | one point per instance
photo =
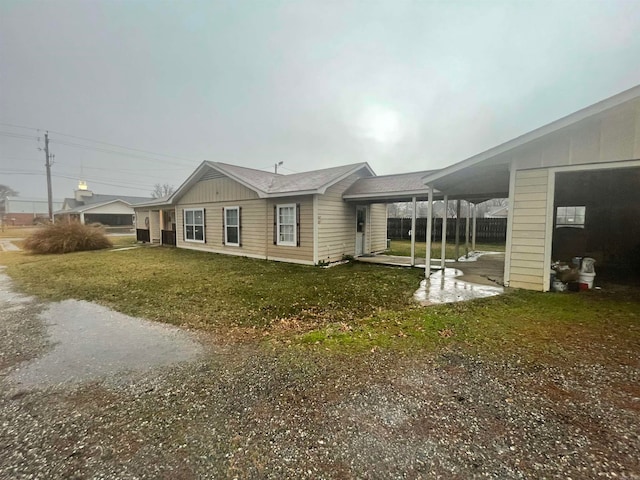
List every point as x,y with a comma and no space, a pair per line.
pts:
91,206
409,193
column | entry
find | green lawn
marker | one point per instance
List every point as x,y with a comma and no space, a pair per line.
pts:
403,248
352,307
209,290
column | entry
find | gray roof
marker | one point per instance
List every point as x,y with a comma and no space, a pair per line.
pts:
394,187
274,184
97,199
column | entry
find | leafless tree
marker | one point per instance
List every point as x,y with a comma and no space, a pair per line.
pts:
163,190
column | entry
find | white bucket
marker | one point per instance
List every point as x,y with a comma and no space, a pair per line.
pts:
587,278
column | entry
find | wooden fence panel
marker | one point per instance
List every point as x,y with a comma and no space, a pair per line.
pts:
491,230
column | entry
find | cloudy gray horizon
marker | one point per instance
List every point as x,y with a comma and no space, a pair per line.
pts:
402,85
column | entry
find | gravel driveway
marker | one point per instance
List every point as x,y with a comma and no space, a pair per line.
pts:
204,410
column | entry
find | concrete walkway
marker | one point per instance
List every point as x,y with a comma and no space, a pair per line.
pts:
479,276
7,245
486,268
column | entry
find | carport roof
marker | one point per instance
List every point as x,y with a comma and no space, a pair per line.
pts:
486,175
400,187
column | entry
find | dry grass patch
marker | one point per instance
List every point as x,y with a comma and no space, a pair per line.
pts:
66,238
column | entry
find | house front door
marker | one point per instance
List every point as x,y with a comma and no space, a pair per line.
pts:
361,229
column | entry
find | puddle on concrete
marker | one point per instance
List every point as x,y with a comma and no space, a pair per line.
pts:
444,287
91,342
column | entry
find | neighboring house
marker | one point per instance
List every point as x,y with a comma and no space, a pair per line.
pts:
573,187
110,210
311,218
20,211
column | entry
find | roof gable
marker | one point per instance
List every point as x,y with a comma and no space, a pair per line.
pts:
269,185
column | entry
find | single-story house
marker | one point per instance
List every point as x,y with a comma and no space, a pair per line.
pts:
311,218
22,211
88,207
573,187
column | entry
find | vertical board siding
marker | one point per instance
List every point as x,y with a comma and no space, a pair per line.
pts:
154,226
529,225
378,227
217,190
336,222
140,216
607,136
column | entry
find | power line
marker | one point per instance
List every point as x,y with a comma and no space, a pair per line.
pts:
71,177
105,150
100,142
18,135
20,126
120,146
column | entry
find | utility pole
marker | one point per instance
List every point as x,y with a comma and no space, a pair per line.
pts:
278,165
48,165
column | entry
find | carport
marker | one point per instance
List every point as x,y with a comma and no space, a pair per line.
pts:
572,187
411,187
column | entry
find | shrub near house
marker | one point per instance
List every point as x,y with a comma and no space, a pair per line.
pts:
66,238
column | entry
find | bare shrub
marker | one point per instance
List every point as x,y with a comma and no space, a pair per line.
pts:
66,238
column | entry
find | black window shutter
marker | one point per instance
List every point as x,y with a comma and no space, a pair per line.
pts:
184,225
240,226
298,224
275,224
204,225
223,225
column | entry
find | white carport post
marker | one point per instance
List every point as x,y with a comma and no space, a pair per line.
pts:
466,230
413,232
427,261
161,217
475,216
82,218
443,243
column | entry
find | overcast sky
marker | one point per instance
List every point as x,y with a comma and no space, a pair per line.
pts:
403,85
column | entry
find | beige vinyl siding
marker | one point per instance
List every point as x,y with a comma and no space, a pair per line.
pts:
217,190
302,253
608,136
378,229
336,222
528,230
140,216
154,226
252,228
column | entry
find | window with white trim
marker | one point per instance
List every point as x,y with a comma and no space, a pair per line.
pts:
232,226
570,216
286,224
194,225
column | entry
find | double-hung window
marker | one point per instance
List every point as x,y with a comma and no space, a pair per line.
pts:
232,226
286,225
194,225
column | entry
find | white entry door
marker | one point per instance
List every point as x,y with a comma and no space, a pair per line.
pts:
361,230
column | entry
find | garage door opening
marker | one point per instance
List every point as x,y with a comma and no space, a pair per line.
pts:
597,214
